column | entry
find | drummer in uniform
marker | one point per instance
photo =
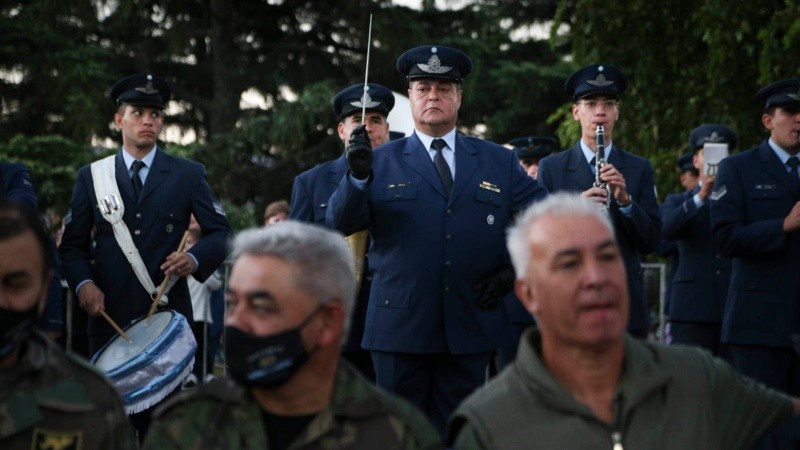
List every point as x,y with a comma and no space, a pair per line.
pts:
48,399
158,192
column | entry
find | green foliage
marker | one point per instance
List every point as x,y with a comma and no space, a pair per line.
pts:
53,162
689,63
241,217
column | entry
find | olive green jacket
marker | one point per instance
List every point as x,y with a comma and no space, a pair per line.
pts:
669,397
50,400
223,415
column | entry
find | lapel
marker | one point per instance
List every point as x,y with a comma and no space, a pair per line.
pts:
771,165
578,171
618,159
158,173
336,171
467,160
124,182
416,156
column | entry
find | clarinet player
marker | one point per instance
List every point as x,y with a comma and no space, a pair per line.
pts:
629,193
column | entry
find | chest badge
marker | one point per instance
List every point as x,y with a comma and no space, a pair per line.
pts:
44,439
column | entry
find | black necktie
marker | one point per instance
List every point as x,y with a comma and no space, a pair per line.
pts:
137,181
793,162
592,165
441,165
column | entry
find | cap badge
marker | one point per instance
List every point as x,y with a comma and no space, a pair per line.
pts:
365,102
600,81
714,138
794,96
148,88
434,65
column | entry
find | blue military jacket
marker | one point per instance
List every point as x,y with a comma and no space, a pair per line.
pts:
17,185
428,251
310,194
638,234
174,189
700,285
753,193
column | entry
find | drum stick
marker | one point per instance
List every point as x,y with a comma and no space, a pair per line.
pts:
166,279
114,324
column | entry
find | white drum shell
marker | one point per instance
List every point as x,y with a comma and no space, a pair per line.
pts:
154,364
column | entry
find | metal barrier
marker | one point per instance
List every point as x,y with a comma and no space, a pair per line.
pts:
656,296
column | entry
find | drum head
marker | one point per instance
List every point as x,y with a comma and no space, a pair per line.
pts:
142,332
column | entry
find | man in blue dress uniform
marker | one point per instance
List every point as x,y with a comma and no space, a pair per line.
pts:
314,187
437,205
755,216
630,199
159,192
530,150
700,285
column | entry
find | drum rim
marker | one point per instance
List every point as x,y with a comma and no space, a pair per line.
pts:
159,383
153,350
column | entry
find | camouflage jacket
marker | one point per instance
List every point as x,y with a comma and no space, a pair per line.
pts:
50,400
223,415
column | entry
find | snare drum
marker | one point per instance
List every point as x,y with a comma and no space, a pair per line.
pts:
154,364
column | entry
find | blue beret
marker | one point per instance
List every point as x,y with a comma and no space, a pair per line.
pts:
434,61
141,90
782,93
596,79
684,162
351,99
534,146
712,132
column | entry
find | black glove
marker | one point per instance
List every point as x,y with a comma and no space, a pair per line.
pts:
359,153
495,286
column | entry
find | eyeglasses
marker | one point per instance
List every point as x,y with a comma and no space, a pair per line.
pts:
593,104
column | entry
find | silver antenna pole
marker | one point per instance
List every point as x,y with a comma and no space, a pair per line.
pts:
365,98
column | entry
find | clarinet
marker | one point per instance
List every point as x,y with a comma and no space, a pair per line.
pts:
600,161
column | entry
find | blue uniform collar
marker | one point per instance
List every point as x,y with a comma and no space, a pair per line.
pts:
589,154
449,138
147,160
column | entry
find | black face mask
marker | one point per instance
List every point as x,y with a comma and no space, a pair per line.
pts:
15,327
265,361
